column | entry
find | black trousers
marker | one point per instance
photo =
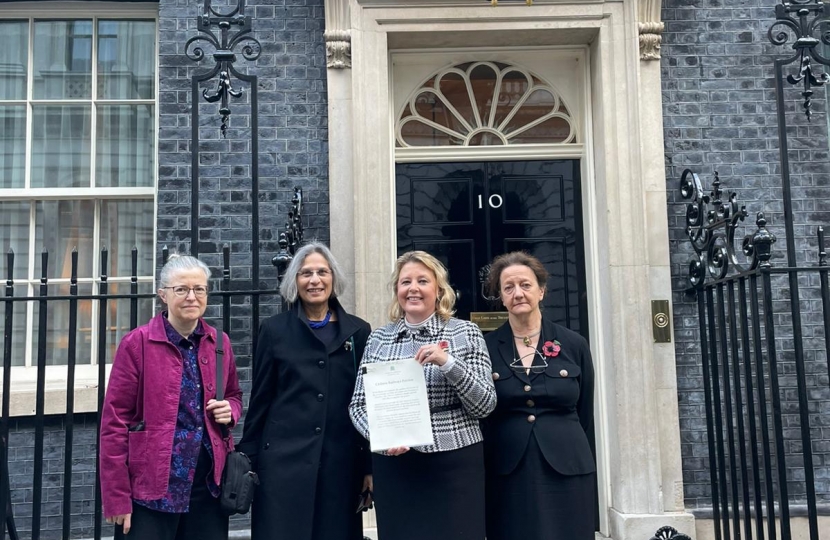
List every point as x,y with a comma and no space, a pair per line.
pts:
204,521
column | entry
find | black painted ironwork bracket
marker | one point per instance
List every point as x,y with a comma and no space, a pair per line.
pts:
804,19
216,30
711,223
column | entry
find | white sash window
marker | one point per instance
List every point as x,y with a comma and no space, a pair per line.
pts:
78,138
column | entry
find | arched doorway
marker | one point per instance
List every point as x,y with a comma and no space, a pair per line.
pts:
468,212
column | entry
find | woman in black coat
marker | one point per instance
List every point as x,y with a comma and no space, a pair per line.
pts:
312,464
539,442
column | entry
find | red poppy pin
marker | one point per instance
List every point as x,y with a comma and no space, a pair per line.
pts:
444,345
552,348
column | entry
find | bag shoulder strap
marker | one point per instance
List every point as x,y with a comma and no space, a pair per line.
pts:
220,371
142,376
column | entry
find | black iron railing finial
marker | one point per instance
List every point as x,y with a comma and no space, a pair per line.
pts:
762,242
292,237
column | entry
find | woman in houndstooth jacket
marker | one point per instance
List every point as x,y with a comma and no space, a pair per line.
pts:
435,491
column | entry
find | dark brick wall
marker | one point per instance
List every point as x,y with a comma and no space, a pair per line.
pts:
292,114
292,139
720,115
21,475
293,150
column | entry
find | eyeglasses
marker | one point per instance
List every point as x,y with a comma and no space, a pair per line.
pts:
517,364
322,273
199,291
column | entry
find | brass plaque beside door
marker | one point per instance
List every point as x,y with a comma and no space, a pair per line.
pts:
488,321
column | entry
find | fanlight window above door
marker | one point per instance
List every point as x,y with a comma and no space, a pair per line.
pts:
484,104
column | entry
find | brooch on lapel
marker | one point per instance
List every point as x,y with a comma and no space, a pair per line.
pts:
552,348
348,345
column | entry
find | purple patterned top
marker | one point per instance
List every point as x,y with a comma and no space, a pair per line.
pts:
190,426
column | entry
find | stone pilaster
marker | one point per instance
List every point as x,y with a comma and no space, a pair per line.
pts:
337,35
650,29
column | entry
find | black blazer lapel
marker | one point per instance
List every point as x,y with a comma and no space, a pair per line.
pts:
346,327
549,331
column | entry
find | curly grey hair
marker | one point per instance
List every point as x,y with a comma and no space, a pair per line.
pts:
288,288
178,262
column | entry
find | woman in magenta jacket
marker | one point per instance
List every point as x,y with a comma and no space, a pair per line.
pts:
162,450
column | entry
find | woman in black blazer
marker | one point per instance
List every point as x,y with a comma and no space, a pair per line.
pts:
539,442
312,463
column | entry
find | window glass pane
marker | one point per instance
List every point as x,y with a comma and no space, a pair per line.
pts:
514,85
12,144
454,87
552,130
18,326
538,104
126,59
125,146
14,53
60,145
118,314
61,226
431,106
63,59
57,327
126,224
483,80
417,133
14,234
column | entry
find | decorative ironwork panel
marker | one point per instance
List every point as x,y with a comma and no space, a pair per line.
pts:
711,224
216,30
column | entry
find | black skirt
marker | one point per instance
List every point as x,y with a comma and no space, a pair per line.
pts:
534,502
436,496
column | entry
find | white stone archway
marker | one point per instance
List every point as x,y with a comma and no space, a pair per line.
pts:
641,487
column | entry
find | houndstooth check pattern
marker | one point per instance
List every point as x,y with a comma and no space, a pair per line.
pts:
469,380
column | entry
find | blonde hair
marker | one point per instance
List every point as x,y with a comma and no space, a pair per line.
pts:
445,305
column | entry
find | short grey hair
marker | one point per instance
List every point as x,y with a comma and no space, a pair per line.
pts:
178,262
288,287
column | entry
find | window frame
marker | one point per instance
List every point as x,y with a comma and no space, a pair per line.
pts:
24,377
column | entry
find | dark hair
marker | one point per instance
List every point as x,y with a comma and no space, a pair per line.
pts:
514,258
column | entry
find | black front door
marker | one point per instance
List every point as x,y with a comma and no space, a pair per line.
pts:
468,213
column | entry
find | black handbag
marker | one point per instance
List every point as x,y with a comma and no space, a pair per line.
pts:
238,484
238,480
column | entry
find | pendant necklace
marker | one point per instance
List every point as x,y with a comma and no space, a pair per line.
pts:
526,339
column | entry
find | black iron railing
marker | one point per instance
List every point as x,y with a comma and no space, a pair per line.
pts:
290,240
225,33
103,301
754,354
751,339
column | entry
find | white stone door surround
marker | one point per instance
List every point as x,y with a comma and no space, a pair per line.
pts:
624,198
